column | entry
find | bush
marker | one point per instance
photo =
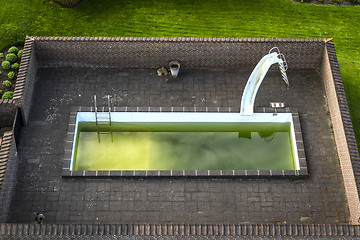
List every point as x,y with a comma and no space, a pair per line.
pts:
68,3
1,55
7,83
6,65
19,54
11,75
13,50
15,66
8,95
0,91
11,57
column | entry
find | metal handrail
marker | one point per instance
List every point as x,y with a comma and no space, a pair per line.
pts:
108,120
109,106
95,110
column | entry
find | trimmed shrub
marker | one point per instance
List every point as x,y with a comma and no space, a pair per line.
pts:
11,57
8,95
11,75
15,66
68,3
19,54
6,65
7,83
13,50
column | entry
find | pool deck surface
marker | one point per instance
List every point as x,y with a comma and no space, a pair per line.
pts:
320,198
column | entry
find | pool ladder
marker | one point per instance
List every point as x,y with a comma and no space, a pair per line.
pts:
103,120
283,66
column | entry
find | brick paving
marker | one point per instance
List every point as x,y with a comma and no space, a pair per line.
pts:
317,199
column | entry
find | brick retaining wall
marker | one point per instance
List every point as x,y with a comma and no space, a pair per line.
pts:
179,230
26,78
7,112
192,53
343,130
8,172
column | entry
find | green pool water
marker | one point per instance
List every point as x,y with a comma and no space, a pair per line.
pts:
184,146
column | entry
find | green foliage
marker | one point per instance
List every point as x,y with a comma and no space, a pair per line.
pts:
1,55
1,91
11,57
13,50
15,66
8,95
11,75
0,72
68,3
6,83
19,54
6,65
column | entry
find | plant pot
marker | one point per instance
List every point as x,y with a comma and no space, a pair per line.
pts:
174,68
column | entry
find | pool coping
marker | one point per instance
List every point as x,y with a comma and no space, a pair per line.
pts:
303,172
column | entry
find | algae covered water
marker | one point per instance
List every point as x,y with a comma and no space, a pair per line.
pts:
184,146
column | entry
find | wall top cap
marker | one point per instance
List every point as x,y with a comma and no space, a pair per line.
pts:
170,39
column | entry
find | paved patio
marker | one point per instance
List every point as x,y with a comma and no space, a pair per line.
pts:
318,199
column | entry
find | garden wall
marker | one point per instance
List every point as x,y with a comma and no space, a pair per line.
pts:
179,231
7,112
8,172
343,130
192,53
25,82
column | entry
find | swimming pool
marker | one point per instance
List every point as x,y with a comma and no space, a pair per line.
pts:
155,143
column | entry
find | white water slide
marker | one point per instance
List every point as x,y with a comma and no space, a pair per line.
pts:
257,76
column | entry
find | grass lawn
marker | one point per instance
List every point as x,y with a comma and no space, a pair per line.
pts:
195,18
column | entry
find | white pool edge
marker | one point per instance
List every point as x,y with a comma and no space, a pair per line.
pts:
191,117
